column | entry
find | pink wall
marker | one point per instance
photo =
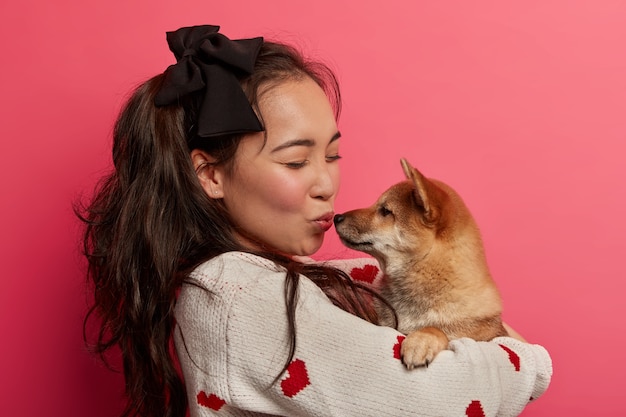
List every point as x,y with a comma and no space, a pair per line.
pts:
521,107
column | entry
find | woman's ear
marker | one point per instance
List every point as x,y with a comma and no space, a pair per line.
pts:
211,178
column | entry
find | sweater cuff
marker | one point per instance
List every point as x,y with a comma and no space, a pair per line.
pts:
543,363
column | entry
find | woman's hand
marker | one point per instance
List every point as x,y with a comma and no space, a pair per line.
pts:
513,333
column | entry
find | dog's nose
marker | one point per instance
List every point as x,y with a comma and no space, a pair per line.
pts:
338,218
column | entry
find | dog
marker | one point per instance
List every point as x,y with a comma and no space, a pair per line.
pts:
436,275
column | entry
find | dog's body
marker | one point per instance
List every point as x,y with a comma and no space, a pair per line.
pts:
435,271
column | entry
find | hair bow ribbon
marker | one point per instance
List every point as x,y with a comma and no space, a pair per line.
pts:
209,61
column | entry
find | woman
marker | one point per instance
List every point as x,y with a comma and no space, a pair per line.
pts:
225,176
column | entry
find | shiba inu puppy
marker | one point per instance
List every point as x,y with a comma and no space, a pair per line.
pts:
435,271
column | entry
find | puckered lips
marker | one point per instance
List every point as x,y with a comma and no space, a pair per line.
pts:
325,221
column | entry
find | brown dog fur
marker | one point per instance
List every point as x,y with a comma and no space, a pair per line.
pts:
435,271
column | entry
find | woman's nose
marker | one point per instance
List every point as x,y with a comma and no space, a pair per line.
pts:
327,182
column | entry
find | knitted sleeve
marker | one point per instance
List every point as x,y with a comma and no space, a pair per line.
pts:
363,270
236,344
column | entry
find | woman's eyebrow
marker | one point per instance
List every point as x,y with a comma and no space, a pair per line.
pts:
302,142
296,142
335,137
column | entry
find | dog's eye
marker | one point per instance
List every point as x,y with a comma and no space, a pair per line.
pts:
384,211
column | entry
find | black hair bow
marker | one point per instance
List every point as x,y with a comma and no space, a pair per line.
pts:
209,61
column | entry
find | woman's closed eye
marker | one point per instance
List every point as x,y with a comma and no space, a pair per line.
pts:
303,163
296,164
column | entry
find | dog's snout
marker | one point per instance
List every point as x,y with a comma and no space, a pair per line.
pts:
338,218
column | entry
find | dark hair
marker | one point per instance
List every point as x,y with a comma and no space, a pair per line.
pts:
150,224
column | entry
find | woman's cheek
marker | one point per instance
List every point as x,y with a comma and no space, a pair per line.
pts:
289,192
336,173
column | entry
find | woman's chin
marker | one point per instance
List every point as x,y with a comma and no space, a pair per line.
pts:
315,246
309,247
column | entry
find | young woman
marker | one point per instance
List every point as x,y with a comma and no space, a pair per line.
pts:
225,174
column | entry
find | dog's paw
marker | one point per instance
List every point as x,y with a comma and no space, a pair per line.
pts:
420,347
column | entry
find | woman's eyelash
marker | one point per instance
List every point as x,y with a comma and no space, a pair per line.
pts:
296,165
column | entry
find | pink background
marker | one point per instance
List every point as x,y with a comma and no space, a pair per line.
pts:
519,105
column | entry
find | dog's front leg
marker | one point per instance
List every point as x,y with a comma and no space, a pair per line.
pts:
420,347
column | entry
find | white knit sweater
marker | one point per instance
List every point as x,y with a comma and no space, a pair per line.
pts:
232,342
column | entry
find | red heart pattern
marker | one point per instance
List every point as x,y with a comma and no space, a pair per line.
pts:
366,274
211,401
513,357
397,346
297,380
475,409
298,376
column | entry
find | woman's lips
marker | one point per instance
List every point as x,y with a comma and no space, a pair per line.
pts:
325,222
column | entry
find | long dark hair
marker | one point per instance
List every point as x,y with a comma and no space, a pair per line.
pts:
150,223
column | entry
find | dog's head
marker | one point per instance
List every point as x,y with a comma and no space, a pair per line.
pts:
405,222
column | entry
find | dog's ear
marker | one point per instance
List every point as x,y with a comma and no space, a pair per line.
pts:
422,196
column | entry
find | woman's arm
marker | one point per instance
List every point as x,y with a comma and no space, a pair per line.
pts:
362,270
513,333
345,366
